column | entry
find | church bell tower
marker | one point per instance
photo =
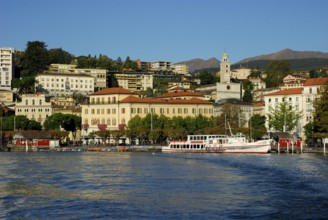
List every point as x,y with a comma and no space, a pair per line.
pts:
225,68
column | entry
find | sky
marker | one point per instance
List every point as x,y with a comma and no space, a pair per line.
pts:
166,30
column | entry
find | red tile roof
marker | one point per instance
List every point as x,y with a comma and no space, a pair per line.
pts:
110,91
293,91
316,81
260,103
180,94
133,99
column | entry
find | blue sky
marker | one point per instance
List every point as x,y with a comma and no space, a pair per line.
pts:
169,30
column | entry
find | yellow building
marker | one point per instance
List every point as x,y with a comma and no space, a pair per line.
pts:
34,107
112,108
6,96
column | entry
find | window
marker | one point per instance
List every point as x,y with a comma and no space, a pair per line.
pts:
269,100
108,121
185,111
123,110
108,111
26,102
194,111
139,110
92,111
133,110
161,110
40,102
179,110
108,100
146,110
33,102
114,122
98,111
114,111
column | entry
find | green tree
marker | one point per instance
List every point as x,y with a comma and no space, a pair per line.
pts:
112,82
35,59
320,127
284,115
25,85
255,73
308,131
59,55
248,91
20,123
206,78
275,72
257,126
230,116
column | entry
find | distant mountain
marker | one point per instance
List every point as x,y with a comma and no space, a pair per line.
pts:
287,54
200,64
295,64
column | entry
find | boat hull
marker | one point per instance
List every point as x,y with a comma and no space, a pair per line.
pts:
248,148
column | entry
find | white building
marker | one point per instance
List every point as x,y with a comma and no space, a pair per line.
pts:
226,89
301,99
34,107
57,84
6,67
257,82
100,75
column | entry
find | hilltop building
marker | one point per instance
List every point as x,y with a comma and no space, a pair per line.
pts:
226,89
58,84
134,81
100,75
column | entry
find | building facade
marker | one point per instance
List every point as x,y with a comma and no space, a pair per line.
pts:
58,84
6,96
100,75
34,107
181,69
7,57
135,81
112,108
300,99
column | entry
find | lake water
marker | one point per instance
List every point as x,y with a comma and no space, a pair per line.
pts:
110,185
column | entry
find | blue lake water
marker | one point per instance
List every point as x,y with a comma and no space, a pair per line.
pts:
110,185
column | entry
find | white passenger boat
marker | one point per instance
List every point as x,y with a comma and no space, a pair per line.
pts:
218,144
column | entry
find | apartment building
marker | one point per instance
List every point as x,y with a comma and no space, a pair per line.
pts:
112,108
34,107
100,75
161,66
7,57
181,69
57,84
135,81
